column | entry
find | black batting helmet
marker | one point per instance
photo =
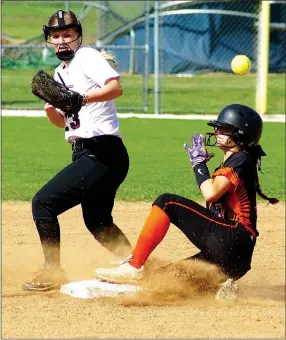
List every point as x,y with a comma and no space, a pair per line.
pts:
245,123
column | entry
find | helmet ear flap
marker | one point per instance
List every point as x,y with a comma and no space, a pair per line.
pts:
242,140
238,138
46,32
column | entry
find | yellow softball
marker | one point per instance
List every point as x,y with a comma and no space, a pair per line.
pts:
241,64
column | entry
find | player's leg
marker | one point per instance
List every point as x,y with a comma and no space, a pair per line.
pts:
216,238
99,200
190,217
152,233
226,244
64,191
97,215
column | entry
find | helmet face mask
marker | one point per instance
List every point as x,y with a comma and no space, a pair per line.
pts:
65,55
221,130
245,123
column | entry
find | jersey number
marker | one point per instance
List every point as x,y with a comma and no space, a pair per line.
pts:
72,121
220,209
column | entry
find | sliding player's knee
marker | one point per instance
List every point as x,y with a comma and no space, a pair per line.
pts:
162,200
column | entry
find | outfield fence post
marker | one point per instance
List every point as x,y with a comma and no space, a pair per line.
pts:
263,57
146,57
67,6
156,58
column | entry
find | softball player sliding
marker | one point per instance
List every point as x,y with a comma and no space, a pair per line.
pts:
100,160
225,231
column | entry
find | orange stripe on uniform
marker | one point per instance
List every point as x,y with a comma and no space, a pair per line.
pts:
206,217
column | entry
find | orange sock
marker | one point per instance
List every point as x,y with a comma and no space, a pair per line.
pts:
152,233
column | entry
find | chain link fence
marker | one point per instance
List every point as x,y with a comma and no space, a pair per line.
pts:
202,37
188,52
102,21
116,21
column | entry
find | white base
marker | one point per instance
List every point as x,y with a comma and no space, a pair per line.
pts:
90,289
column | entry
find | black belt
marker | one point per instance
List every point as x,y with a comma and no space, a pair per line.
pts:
79,144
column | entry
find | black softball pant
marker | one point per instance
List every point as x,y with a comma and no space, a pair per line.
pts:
99,166
227,244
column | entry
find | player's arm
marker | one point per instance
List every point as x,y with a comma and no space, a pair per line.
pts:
213,188
216,186
112,89
54,116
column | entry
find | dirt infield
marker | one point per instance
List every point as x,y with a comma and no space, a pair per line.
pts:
259,311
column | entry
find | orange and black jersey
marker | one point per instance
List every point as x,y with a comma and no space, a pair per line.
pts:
238,204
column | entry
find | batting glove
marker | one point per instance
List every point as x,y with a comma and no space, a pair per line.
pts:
198,153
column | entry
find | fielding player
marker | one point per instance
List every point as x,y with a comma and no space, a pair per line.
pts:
100,160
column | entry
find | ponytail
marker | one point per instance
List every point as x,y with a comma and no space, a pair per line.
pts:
111,59
271,200
256,153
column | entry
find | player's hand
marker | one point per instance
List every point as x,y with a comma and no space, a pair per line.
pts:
49,107
197,152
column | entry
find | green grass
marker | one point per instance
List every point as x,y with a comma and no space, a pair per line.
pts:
33,151
23,20
200,94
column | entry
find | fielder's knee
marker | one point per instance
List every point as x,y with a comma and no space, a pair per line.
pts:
95,223
42,209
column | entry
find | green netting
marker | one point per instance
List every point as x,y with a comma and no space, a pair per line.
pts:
27,58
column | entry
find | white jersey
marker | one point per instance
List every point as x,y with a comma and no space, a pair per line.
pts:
89,70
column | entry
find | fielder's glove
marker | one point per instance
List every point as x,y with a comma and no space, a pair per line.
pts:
48,89
198,153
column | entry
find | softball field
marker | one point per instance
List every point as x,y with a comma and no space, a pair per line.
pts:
259,311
